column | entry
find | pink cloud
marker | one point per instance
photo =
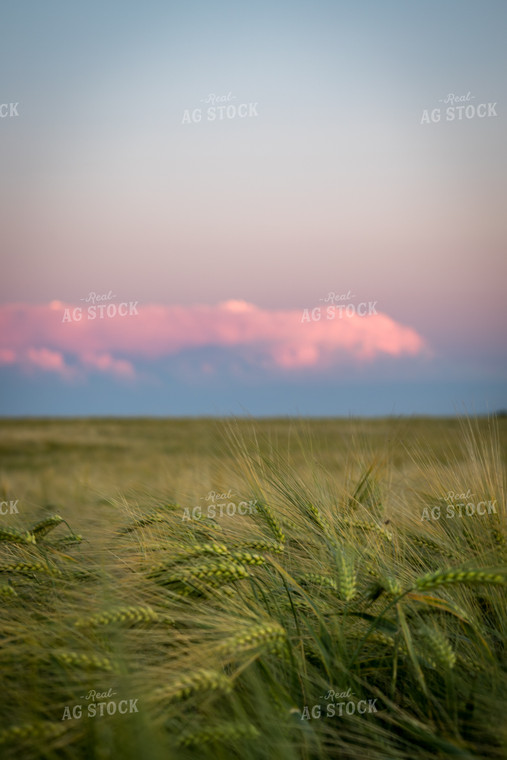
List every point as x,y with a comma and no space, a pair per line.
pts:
7,356
269,338
46,360
106,363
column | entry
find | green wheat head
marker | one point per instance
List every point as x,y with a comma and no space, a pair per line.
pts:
43,527
125,616
15,536
441,577
195,683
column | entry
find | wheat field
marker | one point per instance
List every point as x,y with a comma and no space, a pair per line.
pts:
254,589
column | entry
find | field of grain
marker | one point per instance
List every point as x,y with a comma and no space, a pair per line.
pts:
253,589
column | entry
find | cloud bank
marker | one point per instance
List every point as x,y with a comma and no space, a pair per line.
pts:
72,343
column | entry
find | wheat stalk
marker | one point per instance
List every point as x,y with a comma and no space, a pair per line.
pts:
122,615
269,517
319,580
431,580
210,571
29,567
6,590
149,519
247,558
66,541
200,680
440,648
263,546
321,521
219,734
86,661
347,584
15,536
256,636
367,526
428,543
43,527
214,574
197,550
391,585
38,730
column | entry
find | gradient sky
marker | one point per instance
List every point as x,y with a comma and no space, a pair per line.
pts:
224,231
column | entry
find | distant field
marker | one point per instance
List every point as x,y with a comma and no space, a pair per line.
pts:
127,564
85,463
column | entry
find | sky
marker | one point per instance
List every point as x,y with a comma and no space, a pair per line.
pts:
268,208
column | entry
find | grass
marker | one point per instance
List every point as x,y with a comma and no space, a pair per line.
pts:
225,637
